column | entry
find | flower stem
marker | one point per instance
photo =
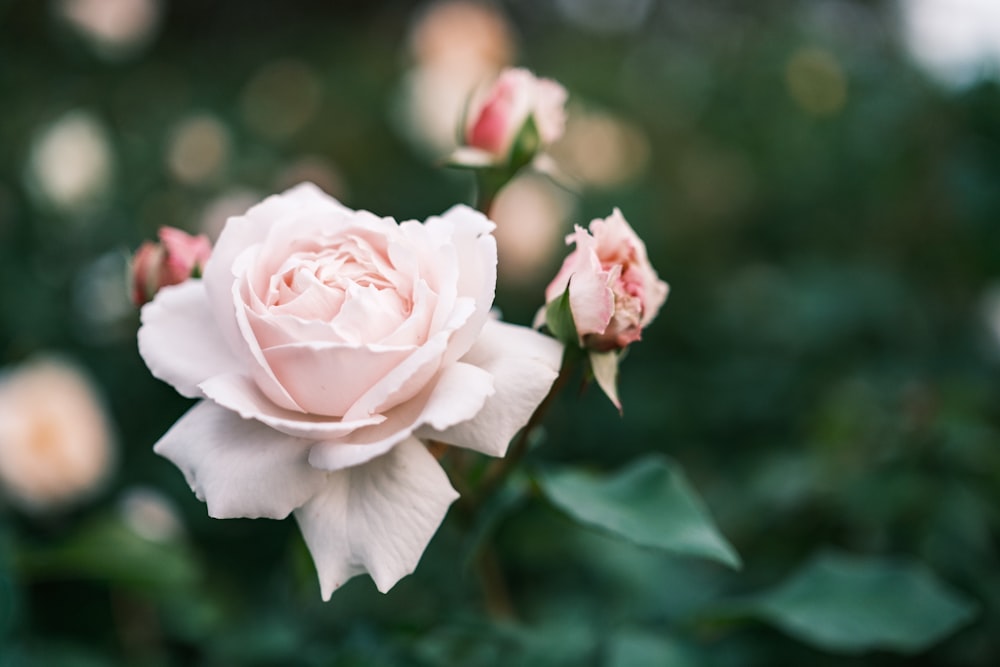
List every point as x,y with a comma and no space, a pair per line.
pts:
493,583
498,471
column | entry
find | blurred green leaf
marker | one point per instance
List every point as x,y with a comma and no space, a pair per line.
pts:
632,648
106,549
848,604
649,502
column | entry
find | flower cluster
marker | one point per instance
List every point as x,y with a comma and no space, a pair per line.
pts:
336,353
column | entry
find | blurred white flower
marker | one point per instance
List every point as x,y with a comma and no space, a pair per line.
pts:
956,41
103,309
114,28
281,99
230,203
314,169
460,34
606,16
531,214
71,161
150,514
601,149
816,81
198,151
457,46
55,438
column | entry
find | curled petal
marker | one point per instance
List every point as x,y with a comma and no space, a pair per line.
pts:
524,364
376,518
459,393
241,395
179,341
247,230
238,467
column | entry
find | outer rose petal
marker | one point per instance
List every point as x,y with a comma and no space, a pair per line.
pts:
477,256
240,468
458,394
591,300
242,395
524,364
179,339
376,518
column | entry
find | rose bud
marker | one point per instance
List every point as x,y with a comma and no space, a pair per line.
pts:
516,119
177,257
604,295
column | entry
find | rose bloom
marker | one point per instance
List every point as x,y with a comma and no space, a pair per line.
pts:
56,445
614,292
496,121
177,257
328,344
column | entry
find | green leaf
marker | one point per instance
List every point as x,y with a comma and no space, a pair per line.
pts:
849,604
526,145
649,503
107,550
604,366
632,648
559,319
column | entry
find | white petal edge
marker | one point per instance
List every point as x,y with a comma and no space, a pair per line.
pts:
180,341
376,518
240,468
241,395
524,364
459,392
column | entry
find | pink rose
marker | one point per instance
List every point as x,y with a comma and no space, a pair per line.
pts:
177,257
326,343
613,290
497,121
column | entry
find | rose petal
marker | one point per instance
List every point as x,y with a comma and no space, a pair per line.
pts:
591,300
411,375
180,341
477,255
327,378
242,232
458,394
242,395
524,364
376,518
240,468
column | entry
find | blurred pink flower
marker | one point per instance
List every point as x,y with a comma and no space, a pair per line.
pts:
614,292
55,439
498,123
177,257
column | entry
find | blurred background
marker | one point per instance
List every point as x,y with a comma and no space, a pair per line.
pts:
818,181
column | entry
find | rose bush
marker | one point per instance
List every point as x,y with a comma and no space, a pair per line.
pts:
614,292
327,343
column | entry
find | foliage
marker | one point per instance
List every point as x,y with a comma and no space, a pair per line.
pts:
826,369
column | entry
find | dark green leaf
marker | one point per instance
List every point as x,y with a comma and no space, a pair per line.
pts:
642,649
649,503
559,319
849,604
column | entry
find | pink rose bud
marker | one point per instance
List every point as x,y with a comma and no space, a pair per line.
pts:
614,292
177,257
519,116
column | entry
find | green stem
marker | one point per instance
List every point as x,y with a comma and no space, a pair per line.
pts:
498,471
